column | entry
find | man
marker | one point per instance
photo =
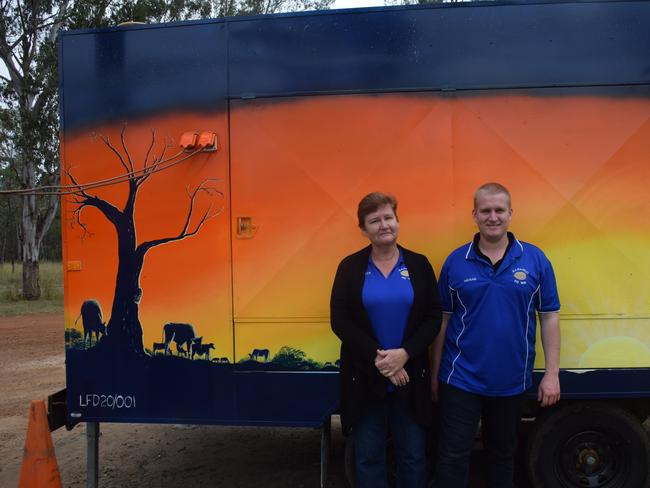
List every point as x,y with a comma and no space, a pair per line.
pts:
484,354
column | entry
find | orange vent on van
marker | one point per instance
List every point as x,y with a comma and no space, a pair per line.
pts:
207,141
202,141
188,140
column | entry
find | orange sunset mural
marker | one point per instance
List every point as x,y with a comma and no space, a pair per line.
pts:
577,168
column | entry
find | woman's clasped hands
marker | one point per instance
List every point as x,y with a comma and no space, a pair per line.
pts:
390,363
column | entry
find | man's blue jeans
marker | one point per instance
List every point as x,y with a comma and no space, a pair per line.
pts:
370,435
460,412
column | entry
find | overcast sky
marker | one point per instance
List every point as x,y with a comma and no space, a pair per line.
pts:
357,3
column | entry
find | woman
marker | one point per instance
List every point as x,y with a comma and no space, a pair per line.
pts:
385,309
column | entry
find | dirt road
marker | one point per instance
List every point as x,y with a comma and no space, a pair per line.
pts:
32,363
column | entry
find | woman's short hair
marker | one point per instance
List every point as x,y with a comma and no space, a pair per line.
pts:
371,203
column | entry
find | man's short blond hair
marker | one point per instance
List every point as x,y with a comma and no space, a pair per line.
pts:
492,188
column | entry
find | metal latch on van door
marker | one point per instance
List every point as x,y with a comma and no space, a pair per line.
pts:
245,228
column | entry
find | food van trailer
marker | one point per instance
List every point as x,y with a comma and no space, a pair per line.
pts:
212,170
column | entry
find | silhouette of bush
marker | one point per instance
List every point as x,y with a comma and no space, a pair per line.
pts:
74,339
292,358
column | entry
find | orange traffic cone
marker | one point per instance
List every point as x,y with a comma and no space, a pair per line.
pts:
39,468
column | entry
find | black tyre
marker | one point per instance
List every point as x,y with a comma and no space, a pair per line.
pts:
593,445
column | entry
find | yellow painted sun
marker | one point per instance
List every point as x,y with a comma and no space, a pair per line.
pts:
601,342
616,352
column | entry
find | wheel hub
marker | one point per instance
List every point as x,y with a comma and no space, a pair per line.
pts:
590,459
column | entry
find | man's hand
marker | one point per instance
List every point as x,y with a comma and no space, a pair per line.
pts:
390,361
548,392
400,378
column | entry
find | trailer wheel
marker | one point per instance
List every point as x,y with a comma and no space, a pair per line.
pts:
588,445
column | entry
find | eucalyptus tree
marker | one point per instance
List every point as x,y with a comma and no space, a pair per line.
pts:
28,93
28,89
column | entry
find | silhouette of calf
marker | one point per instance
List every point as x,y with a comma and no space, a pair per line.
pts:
160,346
92,320
202,350
180,351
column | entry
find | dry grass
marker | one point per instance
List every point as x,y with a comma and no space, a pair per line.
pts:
11,302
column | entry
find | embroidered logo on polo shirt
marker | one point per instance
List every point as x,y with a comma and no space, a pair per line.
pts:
520,275
404,273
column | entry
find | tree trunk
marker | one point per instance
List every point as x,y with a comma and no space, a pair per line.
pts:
31,285
30,251
124,331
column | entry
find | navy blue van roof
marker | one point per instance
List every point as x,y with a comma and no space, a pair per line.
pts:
120,72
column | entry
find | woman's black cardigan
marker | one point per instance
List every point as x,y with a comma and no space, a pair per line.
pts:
361,382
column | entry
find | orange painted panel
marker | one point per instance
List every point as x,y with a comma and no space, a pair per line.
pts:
576,166
184,280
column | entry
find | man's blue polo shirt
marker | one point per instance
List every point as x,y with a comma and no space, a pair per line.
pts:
388,301
490,340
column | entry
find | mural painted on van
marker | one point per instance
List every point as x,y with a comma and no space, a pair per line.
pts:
228,256
112,194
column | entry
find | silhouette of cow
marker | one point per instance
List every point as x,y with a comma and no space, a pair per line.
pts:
202,350
258,354
181,334
92,320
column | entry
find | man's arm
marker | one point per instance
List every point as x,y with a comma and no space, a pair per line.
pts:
436,355
549,388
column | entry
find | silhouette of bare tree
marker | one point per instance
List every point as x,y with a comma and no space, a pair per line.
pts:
124,330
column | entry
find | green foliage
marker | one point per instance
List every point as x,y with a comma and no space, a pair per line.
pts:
9,221
85,14
420,2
